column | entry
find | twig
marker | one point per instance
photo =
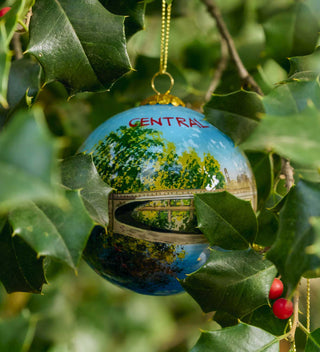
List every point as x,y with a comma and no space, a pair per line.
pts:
17,47
244,75
287,173
295,320
222,65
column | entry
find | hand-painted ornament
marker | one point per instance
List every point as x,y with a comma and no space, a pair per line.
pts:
156,157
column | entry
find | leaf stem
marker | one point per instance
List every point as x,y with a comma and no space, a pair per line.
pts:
243,73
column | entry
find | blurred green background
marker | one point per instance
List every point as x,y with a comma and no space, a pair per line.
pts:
83,312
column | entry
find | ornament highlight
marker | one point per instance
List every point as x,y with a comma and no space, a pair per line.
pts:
156,157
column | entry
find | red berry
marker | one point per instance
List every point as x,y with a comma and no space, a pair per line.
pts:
276,289
282,308
4,10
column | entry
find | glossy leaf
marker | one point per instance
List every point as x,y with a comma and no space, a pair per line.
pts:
79,172
237,338
226,221
268,223
287,34
295,137
85,53
236,282
20,267
313,342
132,9
291,251
235,114
58,232
16,333
28,165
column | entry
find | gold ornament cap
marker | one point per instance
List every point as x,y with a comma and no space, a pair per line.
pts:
163,99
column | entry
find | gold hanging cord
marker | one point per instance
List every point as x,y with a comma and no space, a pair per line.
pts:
164,47
308,305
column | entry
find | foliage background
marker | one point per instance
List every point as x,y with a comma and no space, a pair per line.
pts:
83,312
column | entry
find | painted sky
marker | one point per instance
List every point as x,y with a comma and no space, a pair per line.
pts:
205,139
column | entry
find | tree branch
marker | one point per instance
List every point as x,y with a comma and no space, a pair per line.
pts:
295,320
222,65
17,47
244,75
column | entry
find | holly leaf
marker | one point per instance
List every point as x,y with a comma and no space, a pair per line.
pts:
79,172
287,35
16,334
292,251
84,53
292,97
235,114
133,10
58,232
307,63
262,167
268,223
226,221
8,25
24,82
313,342
20,267
237,338
225,319
294,137
236,282
28,161
264,318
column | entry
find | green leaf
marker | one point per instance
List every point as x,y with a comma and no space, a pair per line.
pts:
225,319
28,161
85,53
136,86
20,268
292,97
236,282
79,172
313,342
132,9
16,334
226,221
262,167
235,114
237,338
23,86
264,318
24,78
295,236
287,34
268,223
60,233
8,25
295,137
307,63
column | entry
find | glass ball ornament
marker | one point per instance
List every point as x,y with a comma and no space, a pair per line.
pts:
156,157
